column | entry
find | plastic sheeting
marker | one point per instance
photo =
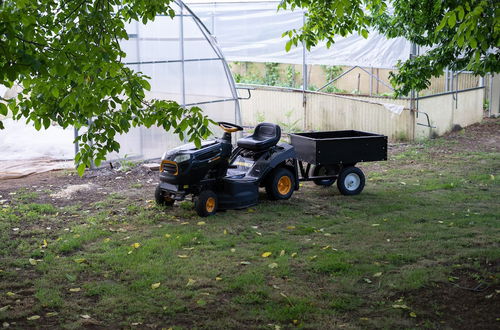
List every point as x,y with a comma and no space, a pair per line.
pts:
251,31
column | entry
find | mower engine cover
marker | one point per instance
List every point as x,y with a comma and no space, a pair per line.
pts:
186,164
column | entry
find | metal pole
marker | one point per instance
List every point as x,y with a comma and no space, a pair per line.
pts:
490,94
304,75
371,81
181,41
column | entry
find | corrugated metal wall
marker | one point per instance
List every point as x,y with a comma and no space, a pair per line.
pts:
331,112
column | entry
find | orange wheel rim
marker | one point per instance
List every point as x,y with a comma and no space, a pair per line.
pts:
210,204
284,185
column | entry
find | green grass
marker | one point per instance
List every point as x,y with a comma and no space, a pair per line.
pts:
334,259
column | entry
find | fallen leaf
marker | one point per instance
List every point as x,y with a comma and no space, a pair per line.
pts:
260,234
326,247
45,244
282,252
4,308
190,282
32,318
182,256
294,254
155,285
218,278
80,260
233,250
375,224
10,294
106,240
313,257
189,248
290,227
225,232
377,274
201,223
273,265
245,263
136,245
75,290
168,235
401,306
367,280
50,314
85,316
266,254
32,261
185,223
413,314
129,252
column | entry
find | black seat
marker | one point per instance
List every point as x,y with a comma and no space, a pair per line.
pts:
264,137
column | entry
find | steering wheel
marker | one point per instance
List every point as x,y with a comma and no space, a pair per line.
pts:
229,128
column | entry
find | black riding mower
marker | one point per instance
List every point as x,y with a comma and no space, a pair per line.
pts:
220,178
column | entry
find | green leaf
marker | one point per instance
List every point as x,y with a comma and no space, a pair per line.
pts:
452,19
55,92
3,109
81,169
364,33
288,45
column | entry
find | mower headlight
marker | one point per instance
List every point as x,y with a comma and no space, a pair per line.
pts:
181,158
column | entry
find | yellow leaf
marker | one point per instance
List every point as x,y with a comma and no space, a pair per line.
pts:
85,316
273,265
190,282
168,235
155,285
282,252
266,254
294,254
377,274
492,177
401,306
233,250
130,252
10,294
326,247
201,223
251,210
136,245
32,261
245,263
290,227
375,224
185,223
80,260
44,244
218,278
106,240
413,314
75,290
313,257
225,232
32,318
50,314
76,235
183,256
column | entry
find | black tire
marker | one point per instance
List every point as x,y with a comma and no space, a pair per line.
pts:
280,184
321,170
351,181
206,203
162,199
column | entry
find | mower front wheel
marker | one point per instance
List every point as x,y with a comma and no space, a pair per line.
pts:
280,184
206,203
162,199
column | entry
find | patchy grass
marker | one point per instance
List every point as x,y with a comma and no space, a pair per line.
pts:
421,242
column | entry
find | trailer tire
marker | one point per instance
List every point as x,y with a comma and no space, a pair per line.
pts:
161,199
321,170
280,184
351,181
206,203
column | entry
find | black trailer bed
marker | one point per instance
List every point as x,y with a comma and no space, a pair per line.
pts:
339,147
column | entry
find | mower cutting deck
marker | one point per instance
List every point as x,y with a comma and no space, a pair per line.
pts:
220,178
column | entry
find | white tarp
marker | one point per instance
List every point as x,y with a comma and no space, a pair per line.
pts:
251,31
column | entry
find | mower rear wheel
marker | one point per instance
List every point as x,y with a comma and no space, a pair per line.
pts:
206,203
280,184
162,199
351,181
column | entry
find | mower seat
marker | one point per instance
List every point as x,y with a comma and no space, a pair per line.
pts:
264,137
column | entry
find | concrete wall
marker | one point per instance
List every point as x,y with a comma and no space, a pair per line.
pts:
446,111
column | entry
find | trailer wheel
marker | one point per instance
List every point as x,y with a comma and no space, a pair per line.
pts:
351,181
322,170
162,199
280,184
206,203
